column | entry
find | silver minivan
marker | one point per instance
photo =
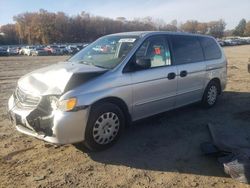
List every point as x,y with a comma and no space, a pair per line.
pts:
116,80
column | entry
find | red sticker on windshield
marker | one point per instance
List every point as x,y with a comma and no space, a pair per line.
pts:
157,51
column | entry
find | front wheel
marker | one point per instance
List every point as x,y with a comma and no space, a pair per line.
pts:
210,95
104,127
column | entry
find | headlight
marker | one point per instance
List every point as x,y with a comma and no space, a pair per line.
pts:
67,105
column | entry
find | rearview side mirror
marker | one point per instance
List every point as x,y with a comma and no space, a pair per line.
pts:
137,64
143,63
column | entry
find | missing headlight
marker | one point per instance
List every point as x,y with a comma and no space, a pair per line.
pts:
53,102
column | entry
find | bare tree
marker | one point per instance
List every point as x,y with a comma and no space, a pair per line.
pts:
46,27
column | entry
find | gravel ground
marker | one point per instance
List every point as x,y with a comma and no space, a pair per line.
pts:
161,151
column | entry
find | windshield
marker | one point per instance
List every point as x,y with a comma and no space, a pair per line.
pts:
106,52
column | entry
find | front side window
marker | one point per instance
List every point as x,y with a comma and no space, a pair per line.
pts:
107,52
186,49
156,50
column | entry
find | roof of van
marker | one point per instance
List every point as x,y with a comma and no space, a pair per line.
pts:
144,33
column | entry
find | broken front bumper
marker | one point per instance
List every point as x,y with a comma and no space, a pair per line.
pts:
58,128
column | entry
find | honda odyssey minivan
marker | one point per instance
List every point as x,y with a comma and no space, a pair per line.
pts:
116,80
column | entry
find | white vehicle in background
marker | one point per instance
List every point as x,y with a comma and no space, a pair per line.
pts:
26,50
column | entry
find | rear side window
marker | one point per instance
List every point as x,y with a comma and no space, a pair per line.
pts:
186,49
210,48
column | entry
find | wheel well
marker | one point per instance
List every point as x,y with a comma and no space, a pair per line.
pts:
217,80
120,103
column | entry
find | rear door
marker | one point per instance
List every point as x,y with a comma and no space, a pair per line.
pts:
191,68
154,88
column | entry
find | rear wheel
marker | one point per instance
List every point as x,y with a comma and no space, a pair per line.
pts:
211,94
104,127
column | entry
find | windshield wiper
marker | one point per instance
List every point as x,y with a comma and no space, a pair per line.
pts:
84,62
99,66
88,63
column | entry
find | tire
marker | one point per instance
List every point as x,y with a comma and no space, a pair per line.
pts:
105,125
210,95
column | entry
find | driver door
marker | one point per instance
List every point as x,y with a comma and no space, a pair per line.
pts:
154,89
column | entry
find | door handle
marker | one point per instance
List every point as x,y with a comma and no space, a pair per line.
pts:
171,75
183,73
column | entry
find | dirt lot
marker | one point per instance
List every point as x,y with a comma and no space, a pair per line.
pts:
161,151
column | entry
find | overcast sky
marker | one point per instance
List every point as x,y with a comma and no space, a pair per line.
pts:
202,10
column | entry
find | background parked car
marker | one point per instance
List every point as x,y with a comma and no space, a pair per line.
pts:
53,50
63,50
234,41
26,50
13,50
39,51
3,52
72,49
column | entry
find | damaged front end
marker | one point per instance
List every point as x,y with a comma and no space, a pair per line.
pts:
38,108
47,118
40,117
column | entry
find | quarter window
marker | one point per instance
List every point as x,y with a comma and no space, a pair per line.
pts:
210,48
186,49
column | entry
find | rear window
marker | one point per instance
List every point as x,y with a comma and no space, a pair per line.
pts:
186,49
210,48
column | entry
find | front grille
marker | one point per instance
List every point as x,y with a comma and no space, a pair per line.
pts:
24,99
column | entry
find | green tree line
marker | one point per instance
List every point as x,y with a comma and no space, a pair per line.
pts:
45,27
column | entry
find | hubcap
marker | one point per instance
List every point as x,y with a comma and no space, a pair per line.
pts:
212,94
106,128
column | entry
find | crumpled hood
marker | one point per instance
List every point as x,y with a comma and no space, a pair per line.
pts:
54,78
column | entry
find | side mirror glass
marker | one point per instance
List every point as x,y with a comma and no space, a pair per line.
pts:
143,63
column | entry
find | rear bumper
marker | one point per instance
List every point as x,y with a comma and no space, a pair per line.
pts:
65,127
